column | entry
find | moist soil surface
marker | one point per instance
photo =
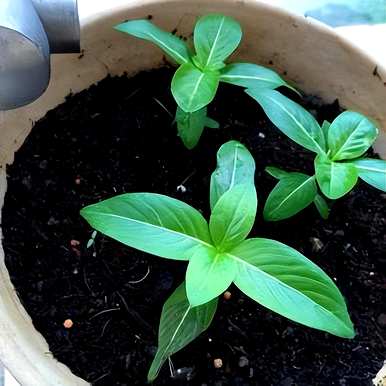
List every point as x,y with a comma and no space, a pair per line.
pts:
118,137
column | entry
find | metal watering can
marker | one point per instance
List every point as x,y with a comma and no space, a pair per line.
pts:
31,30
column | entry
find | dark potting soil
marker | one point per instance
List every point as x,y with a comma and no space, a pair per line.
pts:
118,137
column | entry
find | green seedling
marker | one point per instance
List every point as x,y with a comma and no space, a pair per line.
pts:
195,83
340,160
218,254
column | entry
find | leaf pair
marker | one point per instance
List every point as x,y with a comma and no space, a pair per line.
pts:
337,166
349,136
271,273
195,83
293,193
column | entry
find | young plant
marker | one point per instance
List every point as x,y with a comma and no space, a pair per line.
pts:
339,146
195,82
219,253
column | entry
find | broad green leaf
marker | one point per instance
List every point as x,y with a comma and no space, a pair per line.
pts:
233,216
350,135
252,76
325,127
322,206
209,274
171,44
215,38
291,194
276,172
180,324
335,179
283,280
191,125
292,119
152,223
235,166
192,88
372,171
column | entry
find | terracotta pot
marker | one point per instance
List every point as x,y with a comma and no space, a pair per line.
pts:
312,55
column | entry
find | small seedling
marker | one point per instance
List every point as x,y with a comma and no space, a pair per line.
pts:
339,146
195,83
219,253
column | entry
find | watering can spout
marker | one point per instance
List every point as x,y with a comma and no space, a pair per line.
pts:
31,30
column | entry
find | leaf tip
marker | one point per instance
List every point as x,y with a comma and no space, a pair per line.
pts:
119,27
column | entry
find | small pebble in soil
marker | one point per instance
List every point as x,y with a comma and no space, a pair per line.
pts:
217,363
316,243
243,361
227,295
181,188
184,373
68,323
74,243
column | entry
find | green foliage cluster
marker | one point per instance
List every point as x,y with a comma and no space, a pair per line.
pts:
339,162
195,83
219,251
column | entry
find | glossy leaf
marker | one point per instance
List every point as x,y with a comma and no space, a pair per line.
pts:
152,223
250,75
208,275
180,324
283,280
191,125
372,171
335,179
171,44
325,127
233,216
292,119
215,38
322,206
292,193
192,88
235,166
276,172
350,135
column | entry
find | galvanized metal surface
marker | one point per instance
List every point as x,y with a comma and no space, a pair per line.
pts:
61,23
29,31
24,59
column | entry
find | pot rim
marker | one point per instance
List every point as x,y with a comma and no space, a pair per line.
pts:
23,350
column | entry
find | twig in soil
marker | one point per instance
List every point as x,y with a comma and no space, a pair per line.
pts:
171,368
188,177
104,328
321,368
104,312
135,315
377,332
163,106
100,378
132,94
345,364
181,187
138,281
86,282
238,329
